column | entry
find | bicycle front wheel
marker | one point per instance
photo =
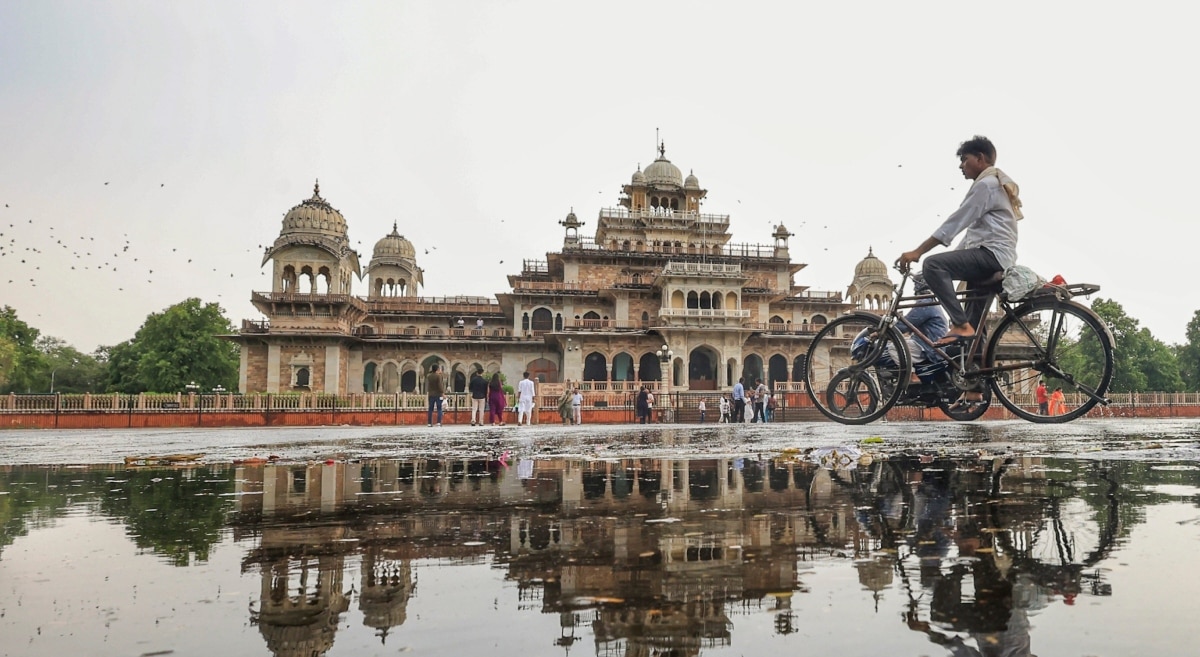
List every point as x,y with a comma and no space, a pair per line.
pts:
1060,343
854,372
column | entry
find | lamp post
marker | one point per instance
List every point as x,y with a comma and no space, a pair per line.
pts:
54,371
193,391
665,357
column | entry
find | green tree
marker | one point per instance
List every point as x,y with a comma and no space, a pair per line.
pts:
173,348
8,359
1141,361
1188,354
66,369
25,361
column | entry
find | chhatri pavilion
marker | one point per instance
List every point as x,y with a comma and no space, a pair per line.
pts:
656,272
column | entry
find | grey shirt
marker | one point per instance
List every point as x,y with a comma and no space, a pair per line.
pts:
987,216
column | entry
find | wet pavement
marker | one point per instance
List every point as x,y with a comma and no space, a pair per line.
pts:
996,538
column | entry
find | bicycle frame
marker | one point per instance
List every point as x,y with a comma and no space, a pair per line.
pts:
961,364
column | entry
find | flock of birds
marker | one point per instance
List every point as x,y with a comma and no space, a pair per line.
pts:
41,252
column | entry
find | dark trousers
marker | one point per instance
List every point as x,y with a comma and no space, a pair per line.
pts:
434,402
758,412
970,265
739,410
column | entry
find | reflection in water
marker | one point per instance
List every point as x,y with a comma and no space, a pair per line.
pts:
651,556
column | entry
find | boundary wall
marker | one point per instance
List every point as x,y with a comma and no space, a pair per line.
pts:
113,411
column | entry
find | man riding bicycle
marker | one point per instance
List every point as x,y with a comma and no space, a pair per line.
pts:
989,215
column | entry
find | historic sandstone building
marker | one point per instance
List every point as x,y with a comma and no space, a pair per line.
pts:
658,272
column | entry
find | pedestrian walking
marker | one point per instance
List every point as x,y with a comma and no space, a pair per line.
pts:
760,400
642,405
435,390
739,401
525,394
1057,402
497,401
1043,400
701,408
479,391
577,407
724,407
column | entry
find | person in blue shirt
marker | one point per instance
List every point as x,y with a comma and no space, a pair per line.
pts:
928,319
739,401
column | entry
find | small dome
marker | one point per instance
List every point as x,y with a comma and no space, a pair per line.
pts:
394,244
871,266
661,170
691,182
639,178
314,216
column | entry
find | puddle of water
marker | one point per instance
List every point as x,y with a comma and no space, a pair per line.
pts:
714,556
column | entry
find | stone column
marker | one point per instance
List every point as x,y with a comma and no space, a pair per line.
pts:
333,370
273,354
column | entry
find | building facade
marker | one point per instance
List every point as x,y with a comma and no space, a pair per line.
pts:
658,294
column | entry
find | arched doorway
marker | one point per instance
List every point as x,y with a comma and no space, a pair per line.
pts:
543,370
369,377
798,367
460,381
648,368
752,369
595,367
777,370
408,381
702,369
622,367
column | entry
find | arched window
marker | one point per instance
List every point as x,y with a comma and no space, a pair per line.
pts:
595,367
693,300
543,320
525,322
649,368
558,322
819,319
705,300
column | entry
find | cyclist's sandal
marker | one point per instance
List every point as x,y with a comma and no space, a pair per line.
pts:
951,340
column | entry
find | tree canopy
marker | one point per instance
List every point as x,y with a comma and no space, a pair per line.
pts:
1141,361
20,359
171,349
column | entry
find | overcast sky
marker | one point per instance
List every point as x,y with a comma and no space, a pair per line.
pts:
185,130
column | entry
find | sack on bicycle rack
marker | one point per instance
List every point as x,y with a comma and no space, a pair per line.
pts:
1020,282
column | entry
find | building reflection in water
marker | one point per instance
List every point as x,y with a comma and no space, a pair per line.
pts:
655,556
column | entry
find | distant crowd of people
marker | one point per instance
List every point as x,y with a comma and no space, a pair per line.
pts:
488,398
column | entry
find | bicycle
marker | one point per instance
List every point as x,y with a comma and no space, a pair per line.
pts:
859,366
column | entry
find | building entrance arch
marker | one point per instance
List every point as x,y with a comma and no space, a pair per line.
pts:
702,369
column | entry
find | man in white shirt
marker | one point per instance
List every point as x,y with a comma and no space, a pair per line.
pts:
989,215
525,393
577,407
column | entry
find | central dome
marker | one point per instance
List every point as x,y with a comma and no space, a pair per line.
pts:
871,266
661,171
314,215
394,244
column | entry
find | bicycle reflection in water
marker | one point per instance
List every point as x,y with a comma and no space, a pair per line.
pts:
973,560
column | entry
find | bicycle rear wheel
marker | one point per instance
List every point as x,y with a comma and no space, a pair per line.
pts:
854,373
1062,343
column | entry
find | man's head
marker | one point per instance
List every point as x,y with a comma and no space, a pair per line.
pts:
525,374
741,379
975,155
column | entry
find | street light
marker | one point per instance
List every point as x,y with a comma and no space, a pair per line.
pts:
193,391
665,356
74,362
